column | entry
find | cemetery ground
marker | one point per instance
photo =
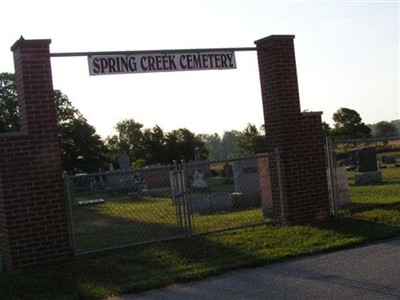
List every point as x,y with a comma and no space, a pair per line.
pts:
373,215
161,264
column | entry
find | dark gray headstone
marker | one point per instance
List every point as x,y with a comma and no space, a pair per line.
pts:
365,159
220,201
124,162
199,204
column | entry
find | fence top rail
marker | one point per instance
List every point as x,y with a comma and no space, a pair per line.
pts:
168,167
269,154
120,172
369,140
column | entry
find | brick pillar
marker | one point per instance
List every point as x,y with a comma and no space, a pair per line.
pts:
297,136
33,209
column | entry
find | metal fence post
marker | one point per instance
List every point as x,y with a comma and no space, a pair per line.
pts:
332,175
70,212
187,211
280,186
177,195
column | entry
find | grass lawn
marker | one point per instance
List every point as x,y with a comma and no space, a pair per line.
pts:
119,221
157,265
367,197
373,215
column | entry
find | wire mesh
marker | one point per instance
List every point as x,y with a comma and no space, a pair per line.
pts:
231,193
364,174
122,208
1,247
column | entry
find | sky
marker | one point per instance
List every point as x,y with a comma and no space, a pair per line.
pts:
347,55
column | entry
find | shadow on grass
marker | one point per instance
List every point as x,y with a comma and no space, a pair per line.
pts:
132,270
160,264
104,232
367,230
122,223
355,207
360,218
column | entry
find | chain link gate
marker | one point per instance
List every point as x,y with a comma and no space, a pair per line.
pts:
241,196
363,174
2,243
180,199
116,209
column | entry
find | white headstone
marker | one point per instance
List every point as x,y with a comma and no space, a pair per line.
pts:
198,181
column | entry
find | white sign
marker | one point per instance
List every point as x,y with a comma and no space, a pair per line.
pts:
160,62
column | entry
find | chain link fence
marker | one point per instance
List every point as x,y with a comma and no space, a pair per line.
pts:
1,247
364,174
122,208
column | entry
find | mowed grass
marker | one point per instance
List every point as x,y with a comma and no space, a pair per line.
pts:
120,222
160,264
385,193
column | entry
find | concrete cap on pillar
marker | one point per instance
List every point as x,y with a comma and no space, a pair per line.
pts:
275,36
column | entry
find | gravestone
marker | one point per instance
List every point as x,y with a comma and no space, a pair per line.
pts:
202,167
220,202
199,204
227,170
365,159
198,181
342,186
246,183
389,160
122,180
124,161
366,163
366,178
157,180
245,176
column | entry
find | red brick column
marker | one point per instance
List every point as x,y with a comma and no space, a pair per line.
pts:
297,136
33,210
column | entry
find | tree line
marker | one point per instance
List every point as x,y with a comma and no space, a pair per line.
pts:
83,150
348,125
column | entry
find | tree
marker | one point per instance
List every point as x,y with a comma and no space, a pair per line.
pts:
181,144
229,144
213,144
326,129
153,146
154,143
82,150
129,139
9,114
385,129
348,124
250,141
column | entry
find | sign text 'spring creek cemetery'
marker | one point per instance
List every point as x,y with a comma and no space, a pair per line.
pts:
144,63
